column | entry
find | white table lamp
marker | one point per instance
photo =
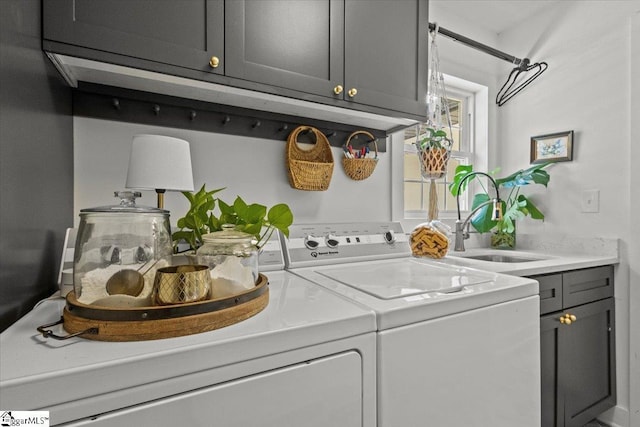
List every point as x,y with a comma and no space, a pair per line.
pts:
160,163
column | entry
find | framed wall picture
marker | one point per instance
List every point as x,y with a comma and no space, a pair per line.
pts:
554,147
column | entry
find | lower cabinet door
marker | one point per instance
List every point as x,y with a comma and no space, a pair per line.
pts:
551,401
587,362
577,363
318,393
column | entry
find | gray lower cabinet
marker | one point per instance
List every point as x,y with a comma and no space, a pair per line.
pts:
577,344
365,55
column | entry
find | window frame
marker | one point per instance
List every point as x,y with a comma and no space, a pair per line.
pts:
464,154
476,135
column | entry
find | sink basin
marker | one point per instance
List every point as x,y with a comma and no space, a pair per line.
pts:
501,258
496,256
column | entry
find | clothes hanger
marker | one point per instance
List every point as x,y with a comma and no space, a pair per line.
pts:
515,84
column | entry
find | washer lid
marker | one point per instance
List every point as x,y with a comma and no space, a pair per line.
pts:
402,278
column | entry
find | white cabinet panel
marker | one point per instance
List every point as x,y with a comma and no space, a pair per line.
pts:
319,393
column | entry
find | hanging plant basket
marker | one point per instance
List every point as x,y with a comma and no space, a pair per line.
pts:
433,162
433,143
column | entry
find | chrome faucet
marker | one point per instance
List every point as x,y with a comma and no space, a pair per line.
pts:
496,212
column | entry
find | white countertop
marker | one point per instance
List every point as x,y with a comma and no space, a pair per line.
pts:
551,254
40,373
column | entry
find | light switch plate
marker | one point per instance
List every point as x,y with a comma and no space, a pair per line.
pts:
591,201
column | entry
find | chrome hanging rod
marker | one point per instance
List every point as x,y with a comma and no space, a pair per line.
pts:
477,45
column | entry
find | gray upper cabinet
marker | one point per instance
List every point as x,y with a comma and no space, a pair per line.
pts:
386,54
287,44
362,55
363,52
186,33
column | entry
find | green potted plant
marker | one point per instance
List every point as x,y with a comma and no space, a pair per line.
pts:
254,218
433,148
433,151
433,138
514,206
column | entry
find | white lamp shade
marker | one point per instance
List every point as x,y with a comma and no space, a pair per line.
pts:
160,162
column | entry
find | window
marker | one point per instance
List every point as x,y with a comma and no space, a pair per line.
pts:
416,188
409,192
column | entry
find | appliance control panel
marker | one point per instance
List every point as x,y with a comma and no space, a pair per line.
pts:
271,258
320,244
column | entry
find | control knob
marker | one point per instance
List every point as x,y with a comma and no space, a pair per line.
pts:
331,241
311,242
389,236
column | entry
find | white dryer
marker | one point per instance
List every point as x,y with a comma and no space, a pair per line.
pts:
308,359
456,347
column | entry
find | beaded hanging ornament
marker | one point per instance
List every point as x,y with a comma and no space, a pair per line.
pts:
433,142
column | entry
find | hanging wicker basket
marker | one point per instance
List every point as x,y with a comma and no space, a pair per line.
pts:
309,170
362,167
433,162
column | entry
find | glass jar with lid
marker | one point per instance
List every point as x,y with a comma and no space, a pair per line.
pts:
118,250
232,258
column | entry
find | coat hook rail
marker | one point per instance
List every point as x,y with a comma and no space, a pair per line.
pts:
126,105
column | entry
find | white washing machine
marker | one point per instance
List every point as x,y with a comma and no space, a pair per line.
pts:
308,359
456,347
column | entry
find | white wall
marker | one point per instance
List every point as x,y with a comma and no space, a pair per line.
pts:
586,89
250,167
469,64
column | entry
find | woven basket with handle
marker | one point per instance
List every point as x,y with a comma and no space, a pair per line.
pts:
360,168
309,170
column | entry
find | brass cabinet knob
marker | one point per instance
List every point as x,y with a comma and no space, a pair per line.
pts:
338,90
214,62
352,92
568,319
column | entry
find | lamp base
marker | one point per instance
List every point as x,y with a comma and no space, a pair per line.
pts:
160,192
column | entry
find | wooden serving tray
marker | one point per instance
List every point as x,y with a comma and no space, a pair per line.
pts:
156,322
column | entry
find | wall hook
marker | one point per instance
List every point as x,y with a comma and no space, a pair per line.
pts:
132,107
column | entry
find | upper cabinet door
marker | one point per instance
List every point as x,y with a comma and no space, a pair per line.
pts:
295,45
185,33
386,44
